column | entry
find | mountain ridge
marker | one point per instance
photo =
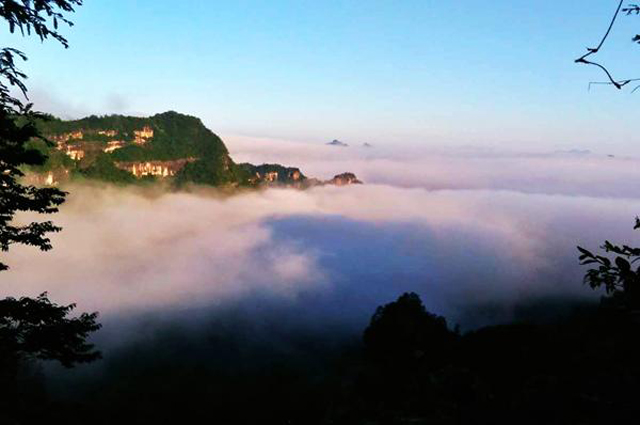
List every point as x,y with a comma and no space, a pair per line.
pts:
167,146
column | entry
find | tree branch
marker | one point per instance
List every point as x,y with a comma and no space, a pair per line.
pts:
592,51
620,83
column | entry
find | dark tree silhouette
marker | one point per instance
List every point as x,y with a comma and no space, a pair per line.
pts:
36,328
17,126
30,328
618,276
404,331
16,130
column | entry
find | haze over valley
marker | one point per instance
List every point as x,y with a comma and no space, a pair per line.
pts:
444,223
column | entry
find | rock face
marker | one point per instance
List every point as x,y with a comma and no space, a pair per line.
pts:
74,151
113,145
336,142
65,137
142,136
154,168
344,179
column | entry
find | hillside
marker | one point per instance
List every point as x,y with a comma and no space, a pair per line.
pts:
124,149
169,146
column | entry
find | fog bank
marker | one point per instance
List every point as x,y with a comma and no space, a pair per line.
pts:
333,253
475,233
573,172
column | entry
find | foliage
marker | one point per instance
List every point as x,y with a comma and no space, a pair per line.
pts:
30,328
55,159
41,17
214,172
16,197
104,169
123,125
13,78
36,328
175,136
618,277
403,331
28,15
184,136
284,173
17,126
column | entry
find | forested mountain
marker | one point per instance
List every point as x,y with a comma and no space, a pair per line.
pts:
168,146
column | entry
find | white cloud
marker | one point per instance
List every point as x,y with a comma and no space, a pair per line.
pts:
460,168
339,251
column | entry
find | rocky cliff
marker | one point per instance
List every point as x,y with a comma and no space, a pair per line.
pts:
274,175
278,175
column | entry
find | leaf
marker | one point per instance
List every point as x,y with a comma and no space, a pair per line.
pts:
623,264
585,262
584,252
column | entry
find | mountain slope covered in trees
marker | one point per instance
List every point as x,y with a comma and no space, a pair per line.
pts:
168,146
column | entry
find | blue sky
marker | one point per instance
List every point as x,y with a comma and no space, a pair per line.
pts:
479,73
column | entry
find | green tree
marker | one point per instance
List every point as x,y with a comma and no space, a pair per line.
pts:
16,129
30,328
104,169
18,126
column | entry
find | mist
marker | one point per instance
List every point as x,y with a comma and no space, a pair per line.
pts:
433,166
337,253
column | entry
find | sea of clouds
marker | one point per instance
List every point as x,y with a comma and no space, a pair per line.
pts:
475,233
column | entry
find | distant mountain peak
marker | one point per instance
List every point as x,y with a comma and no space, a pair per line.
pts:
367,145
344,179
574,152
336,142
